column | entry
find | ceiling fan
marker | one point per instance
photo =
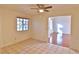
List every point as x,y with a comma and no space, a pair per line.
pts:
42,8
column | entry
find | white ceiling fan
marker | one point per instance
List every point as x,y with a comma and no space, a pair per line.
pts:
42,8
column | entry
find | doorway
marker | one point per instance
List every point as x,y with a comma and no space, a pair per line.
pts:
59,30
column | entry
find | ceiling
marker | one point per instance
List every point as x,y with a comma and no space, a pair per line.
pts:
26,8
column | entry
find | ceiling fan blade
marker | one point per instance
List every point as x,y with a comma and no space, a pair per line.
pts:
46,10
34,8
48,7
39,5
42,5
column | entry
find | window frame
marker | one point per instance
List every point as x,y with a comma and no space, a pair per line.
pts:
22,28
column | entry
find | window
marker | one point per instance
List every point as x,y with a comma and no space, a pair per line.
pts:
22,24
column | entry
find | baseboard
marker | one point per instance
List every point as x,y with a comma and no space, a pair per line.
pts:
14,43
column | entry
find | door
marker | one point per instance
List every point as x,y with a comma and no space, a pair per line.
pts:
59,30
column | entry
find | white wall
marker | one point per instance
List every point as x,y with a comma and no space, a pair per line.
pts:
8,27
0,31
39,28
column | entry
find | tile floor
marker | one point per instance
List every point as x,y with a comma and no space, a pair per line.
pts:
17,48
31,46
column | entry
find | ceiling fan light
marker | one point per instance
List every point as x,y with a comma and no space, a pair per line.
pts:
41,10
